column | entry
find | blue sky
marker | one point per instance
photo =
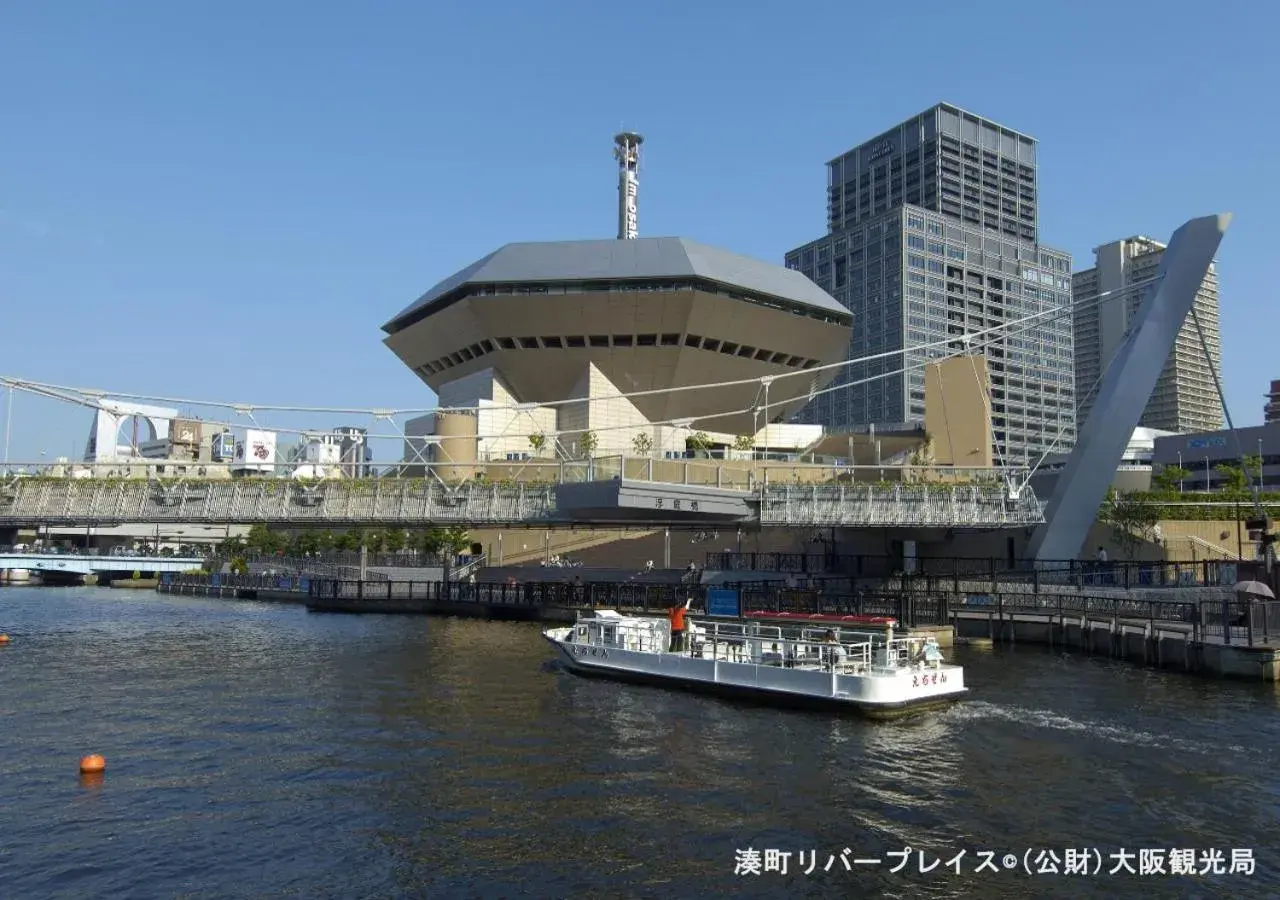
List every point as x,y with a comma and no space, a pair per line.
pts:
226,201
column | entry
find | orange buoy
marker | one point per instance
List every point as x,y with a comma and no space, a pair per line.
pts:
4,638
92,764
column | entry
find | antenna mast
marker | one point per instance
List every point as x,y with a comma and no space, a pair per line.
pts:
626,150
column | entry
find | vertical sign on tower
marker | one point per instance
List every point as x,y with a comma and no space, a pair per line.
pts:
626,151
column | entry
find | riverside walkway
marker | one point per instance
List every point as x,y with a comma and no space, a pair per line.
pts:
607,490
1232,638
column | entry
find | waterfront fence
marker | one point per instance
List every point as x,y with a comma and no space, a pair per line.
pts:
935,573
1244,622
294,584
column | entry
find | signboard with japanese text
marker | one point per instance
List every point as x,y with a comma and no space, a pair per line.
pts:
723,602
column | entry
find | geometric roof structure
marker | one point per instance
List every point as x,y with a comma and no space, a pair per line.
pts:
648,314
645,259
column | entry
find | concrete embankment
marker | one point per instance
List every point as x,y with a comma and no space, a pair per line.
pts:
1167,645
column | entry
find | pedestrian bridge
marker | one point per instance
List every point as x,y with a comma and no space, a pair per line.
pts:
599,492
84,564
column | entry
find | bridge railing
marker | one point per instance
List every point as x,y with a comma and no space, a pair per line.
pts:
414,502
743,475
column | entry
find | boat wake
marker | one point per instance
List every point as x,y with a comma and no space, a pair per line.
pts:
979,710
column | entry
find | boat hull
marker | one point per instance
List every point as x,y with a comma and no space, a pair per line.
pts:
758,684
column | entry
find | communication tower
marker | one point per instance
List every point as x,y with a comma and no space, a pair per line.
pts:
626,150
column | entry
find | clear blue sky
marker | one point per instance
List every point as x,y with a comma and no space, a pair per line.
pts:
227,200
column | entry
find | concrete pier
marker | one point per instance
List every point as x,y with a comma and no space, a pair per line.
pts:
1166,645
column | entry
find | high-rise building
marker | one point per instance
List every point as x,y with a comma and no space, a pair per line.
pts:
1271,412
1185,398
933,237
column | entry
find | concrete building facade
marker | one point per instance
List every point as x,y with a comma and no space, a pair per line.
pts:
1185,399
1201,454
1271,412
918,282
933,240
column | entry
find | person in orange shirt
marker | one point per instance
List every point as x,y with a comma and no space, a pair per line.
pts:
678,629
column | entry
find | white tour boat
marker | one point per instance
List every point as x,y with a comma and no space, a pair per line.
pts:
813,661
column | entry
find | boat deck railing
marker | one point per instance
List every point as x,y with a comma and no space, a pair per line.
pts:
851,652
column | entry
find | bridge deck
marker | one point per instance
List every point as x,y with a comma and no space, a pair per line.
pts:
85,564
389,501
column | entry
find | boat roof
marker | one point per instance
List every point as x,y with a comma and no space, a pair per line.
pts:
819,619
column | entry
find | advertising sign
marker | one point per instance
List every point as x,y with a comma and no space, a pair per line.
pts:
630,229
257,452
223,448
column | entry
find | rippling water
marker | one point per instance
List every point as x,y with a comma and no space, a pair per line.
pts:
260,751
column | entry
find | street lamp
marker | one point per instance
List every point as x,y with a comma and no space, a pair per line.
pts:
1206,474
1181,472
1259,465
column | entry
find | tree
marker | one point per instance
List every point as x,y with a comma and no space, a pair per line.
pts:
537,441
1170,478
454,539
1252,468
643,443
1132,520
699,442
356,538
375,540
232,546
395,540
262,540
429,542
324,541
922,456
588,442
304,542
744,442
1233,477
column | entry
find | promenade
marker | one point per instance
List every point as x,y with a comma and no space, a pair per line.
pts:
1225,637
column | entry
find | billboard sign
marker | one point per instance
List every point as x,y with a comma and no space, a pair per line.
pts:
257,451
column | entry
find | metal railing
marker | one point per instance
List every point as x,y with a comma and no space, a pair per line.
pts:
293,584
296,503
823,647
462,572
746,475
1253,623
902,504
944,572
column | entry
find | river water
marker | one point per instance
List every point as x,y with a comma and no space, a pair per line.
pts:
258,750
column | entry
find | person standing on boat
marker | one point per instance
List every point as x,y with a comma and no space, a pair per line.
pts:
678,633
832,652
